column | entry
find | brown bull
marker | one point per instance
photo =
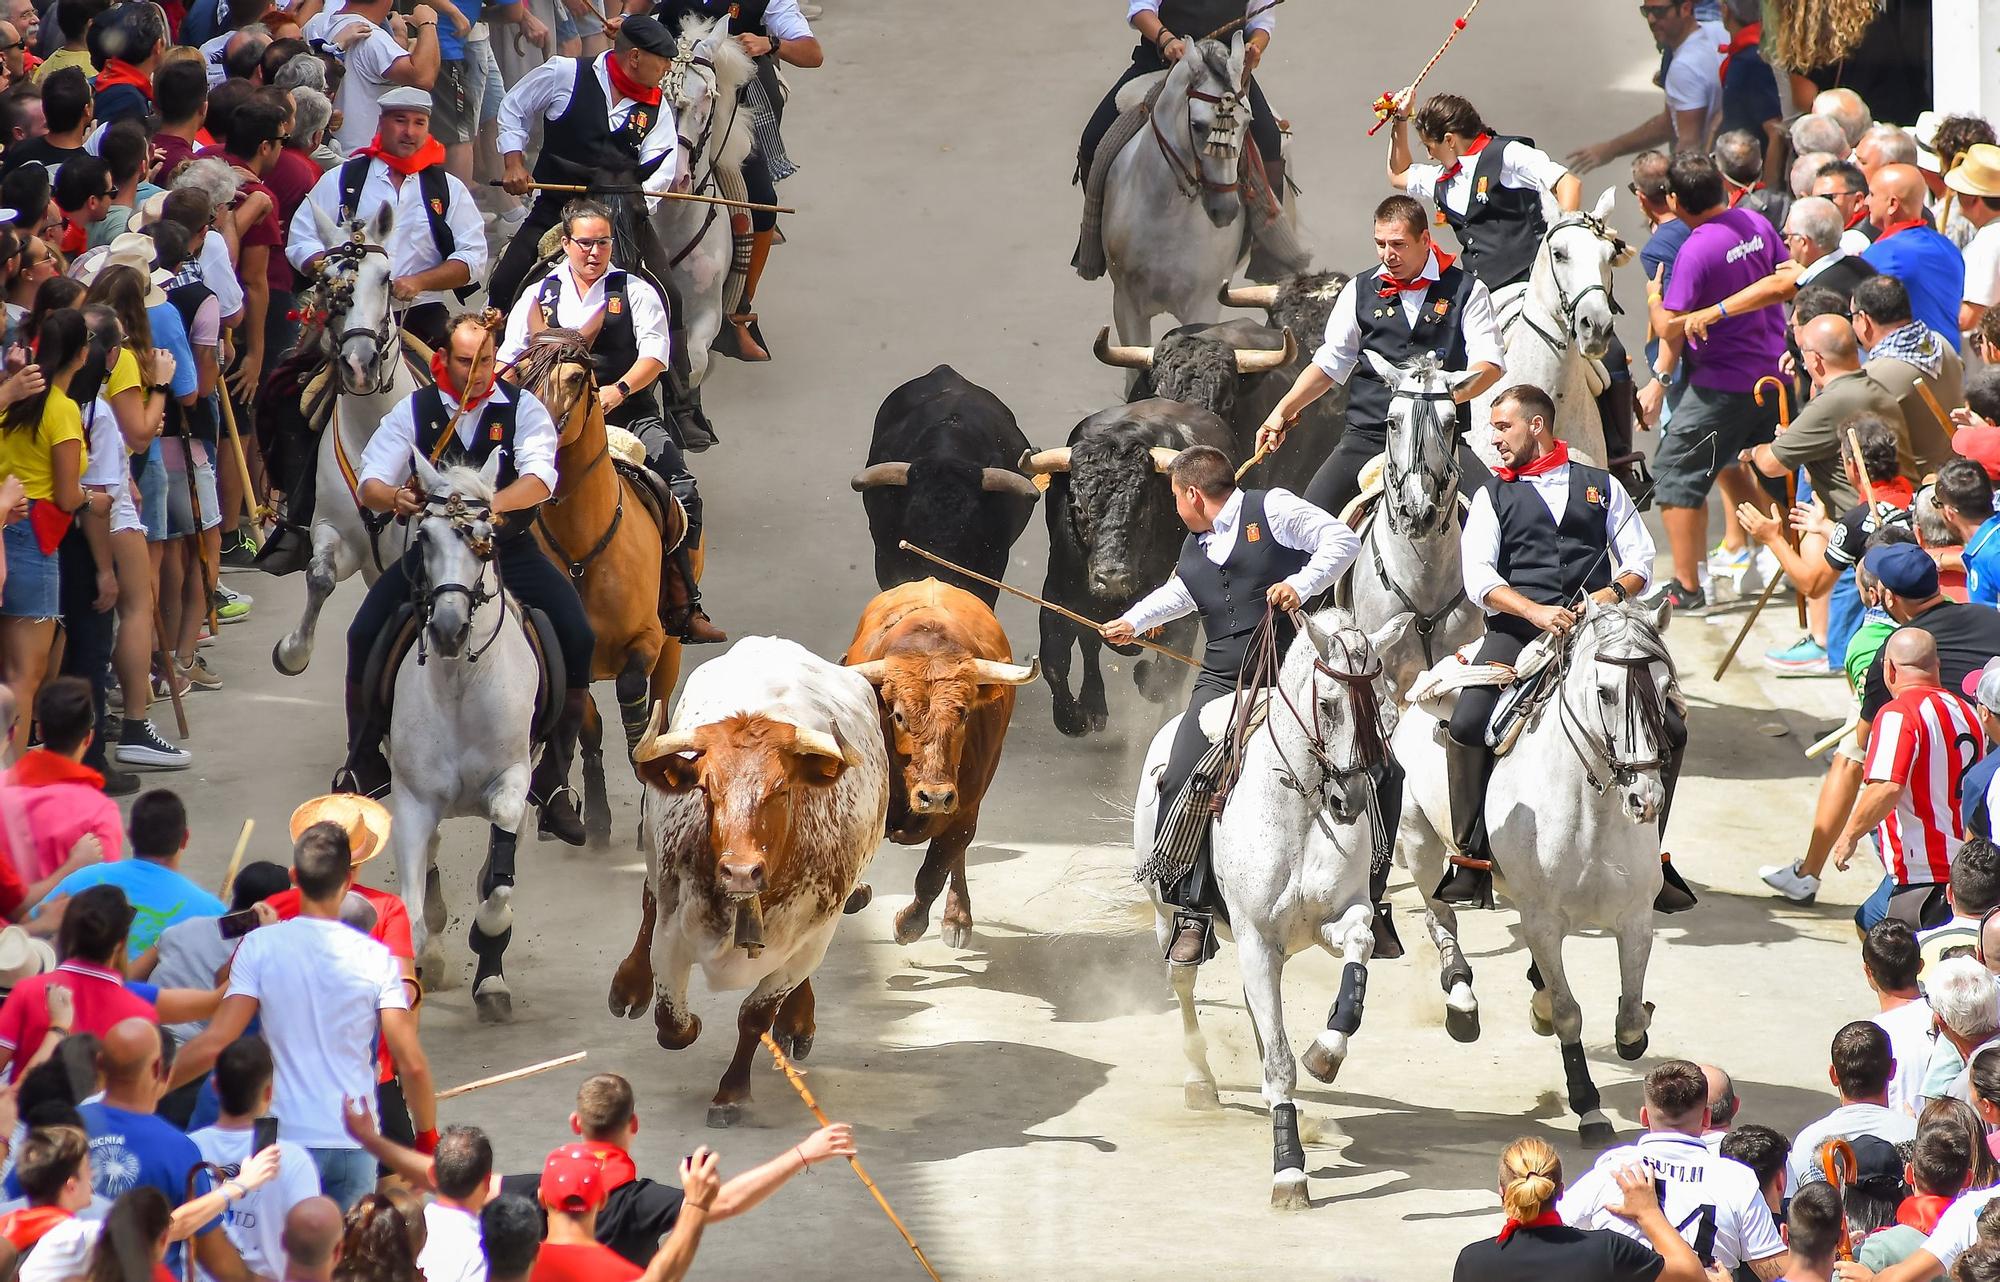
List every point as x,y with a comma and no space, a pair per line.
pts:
943,675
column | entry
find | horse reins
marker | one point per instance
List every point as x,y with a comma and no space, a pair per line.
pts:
1188,176
1423,623
1558,344
1644,710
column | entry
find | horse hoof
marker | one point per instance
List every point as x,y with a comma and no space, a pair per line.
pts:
722,1116
599,838
1069,721
1632,1051
956,934
436,976
1596,1131
494,1002
912,924
678,1039
1095,722
284,668
1542,1025
857,899
1325,1056
1462,1025
797,1046
1201,1096
1288,1191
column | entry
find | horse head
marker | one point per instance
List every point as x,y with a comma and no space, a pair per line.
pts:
354,275
702,83
1573,272
1420,476
1336,669
556,367
1617,684
454,537
1208,83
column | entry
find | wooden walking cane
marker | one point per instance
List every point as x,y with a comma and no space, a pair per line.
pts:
257,512
1791,478
805,1093
1050,606
165,659
236,859
210,574
635,190
1791,498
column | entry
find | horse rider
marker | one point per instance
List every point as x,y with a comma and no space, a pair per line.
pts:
771,32
1247,551
1542,533
1166,28
625,322
1417,299
604,123
463,421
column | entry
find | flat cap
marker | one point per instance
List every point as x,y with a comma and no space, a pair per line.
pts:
404,98
646,32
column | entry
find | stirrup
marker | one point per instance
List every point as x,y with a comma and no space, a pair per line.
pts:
1184,918
745,338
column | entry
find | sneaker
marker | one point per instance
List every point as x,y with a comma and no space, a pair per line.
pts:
139,744
1803,658
231,607
198,674
238,552
1788,881
1684,600
1723,561
119,783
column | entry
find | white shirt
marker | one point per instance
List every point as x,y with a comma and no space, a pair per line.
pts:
320,987
387,458
1847,1122
1694,78
1821,263
1982,266
1342,348
544,93
411,249
783,21
453,1249
1956,1233
107,468
1909,1030
1294,523
63,1253
255,1223
574,310
212,51
1479,542
1266,22
1521,166
368,58
1855,241
219,274
1699,1189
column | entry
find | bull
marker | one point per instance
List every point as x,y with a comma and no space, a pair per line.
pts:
1301,304
1113,536
941,473
765,801
945,677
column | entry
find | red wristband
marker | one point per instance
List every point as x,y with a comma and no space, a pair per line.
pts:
427,1142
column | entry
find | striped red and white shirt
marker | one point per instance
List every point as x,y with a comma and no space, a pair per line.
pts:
1925,739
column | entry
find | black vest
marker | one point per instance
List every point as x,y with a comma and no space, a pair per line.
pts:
745,16
1546,561
582,137
1502,227
1440,330
495,432
616,348
1193,19
430,181
1231,595
197,420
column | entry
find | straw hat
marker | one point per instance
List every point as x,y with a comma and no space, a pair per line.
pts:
127,249
1979,173
22,956
365,819
150,211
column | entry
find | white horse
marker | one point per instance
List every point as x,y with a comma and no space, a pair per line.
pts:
361,340
460,734
1559,325
1173,222
1409,561
1573,816
715,129
1291,856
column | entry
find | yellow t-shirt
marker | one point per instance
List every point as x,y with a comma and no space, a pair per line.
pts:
124,374
25,453
78,58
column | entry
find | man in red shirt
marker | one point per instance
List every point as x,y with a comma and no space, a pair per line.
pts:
255,136
1920,746
573,1190
94,928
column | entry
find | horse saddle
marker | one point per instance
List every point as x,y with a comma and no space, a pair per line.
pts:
393,643
1525,685
1217,715
653,491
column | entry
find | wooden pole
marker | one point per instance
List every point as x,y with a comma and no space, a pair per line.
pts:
1391,103
165,658
513,1076
805,1093
236,858
1228,27
1791,488
1770,590
257,512
1263,452
581,190
1050,606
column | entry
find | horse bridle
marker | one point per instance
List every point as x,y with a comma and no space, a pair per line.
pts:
1336,790
1644,711
339,298
1442,479
462,516
1567,302
1188,176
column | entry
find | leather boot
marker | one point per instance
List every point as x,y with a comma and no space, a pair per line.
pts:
746,340
550,789
1388,945
366,771
685,618
1675,895
1466,772
1189,946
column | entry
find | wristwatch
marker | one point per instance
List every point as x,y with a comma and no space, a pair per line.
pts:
1618,591
776,44
622,389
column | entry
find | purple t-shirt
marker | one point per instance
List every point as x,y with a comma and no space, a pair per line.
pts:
1735,248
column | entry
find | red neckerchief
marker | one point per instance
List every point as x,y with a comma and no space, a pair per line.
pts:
203,138
38,767
1736,194
1390,286
442,373
1546,1220
1897,492
1905,225
75,238
120,72
1860,217
1749,38
1472,148
1547,461
628,87
431,153
31,1224
1921,1212
619,1169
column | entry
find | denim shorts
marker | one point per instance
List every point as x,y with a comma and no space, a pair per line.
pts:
180,508
152,492
571,27
479,54
34,579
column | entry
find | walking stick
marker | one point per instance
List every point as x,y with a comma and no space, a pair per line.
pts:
1791,478
1050,606
805,1093
1770,589
1263,452
236,859
623,189
1791,497
1391,103
514,1076
257,511
209,574
165,659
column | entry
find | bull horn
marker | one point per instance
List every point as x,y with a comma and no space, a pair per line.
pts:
819,743
874,671
654,745
1257,360
1265,296
1122,357
1163,458
1005,480
881,474
992,672
1042,462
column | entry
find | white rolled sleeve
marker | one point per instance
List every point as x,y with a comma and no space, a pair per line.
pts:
1530,168
539,95
649,320
1170,601
1482,330
1632,549
534,439
1342,345
1479,550
387,458
783,21
1266,22
515,340
468,230
1305,527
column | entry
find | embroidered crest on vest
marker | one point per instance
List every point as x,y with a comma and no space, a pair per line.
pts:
1253,532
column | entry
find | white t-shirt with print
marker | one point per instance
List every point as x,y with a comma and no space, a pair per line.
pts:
453,1249
1712,1201
255,1223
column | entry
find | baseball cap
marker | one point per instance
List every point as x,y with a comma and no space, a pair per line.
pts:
573,1180
1904,569
1981,445
1983,686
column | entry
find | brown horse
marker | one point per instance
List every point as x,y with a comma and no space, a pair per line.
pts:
600,528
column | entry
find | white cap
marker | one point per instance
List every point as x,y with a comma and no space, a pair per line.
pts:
404,98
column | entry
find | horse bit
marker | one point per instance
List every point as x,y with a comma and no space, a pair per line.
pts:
1221,143
1643,711
464,519
1564,300
1424,624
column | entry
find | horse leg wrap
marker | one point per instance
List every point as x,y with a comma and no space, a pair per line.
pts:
1345,1017
1287,1154
739,260
634,707
490,950
499,867
1535,977
1583,1096
1456,971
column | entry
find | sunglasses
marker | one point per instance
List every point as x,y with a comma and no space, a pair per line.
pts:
1652,11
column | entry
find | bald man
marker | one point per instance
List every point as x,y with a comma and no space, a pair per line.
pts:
1910,249
312,1240
1722,1106
1842,392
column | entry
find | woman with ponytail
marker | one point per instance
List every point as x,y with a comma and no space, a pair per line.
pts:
1536,1246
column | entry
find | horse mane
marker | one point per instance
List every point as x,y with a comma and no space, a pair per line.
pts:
733,68
548,351
467,483
1627,622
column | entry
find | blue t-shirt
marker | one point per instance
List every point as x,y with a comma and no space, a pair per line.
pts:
159,896
1931,269
1982,563
128,1150
450,47
1974,803
169,332
1659,251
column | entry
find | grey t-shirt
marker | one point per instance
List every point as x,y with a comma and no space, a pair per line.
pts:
191,952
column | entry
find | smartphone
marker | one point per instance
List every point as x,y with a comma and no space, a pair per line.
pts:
263,1134
237,925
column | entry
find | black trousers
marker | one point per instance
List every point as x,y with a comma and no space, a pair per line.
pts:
664,456
1145,60
89,633
526,571
1338,479
1195,889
